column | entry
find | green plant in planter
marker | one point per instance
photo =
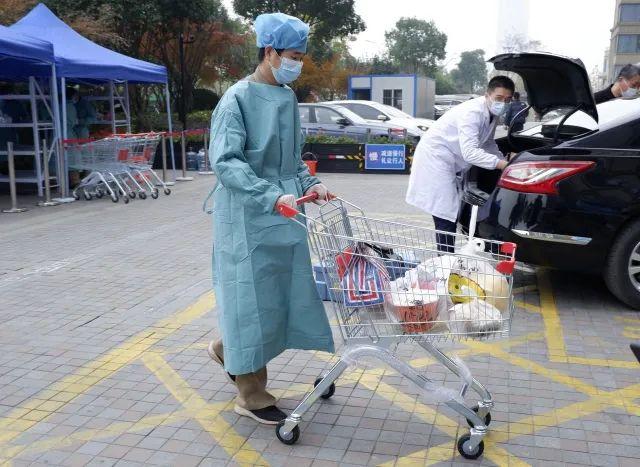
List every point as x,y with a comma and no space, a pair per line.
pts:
327,139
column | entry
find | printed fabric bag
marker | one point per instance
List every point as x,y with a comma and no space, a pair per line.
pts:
363,276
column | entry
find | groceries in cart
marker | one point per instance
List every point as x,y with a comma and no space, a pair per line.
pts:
119,166
462,295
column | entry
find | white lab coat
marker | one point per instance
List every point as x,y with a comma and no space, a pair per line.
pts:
462,137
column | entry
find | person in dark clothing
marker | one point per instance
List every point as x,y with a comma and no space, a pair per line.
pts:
627,85
512,117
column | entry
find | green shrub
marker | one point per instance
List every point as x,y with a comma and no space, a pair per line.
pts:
326,139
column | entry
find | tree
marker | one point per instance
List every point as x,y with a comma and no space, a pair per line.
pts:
327,79
12,10
516,43
327,19
416,45
471,73
444,82
382,65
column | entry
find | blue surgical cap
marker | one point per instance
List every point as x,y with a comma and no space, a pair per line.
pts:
281,31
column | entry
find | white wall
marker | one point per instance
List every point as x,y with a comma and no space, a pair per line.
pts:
406,83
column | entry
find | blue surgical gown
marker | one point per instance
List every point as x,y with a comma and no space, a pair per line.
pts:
262,273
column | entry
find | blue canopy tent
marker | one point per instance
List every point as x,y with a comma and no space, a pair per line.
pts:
79,59
25,58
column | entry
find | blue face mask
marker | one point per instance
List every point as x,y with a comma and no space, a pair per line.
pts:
288,72
497,108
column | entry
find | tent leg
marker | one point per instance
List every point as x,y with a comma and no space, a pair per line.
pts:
127,105
61,123
112,108
36,135
170,125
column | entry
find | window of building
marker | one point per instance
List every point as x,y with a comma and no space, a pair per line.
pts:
630,13
392,97
629,43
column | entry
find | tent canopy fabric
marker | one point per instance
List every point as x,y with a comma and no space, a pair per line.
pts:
78,57
23,56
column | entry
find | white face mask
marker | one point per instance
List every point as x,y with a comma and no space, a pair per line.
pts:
629,93
497,108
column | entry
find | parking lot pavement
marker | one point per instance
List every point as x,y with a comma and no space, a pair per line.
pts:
106,311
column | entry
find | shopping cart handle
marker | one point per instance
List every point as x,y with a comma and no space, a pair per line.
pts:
288,211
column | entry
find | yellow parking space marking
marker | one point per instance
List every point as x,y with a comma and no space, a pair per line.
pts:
205,414
450,427
76,384
555,336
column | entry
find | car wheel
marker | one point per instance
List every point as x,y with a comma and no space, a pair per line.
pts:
622,270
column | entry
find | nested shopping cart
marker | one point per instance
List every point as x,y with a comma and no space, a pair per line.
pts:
389,283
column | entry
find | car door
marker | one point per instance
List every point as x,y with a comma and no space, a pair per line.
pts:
329,122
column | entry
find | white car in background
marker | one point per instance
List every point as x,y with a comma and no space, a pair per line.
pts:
376,112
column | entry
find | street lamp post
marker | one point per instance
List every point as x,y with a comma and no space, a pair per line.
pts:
181,43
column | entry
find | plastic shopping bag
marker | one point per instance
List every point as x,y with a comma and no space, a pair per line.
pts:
476,278
363,275
476,318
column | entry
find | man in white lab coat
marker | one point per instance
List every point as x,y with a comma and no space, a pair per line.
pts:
461,138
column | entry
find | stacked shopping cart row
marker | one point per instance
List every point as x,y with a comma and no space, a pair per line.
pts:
120,166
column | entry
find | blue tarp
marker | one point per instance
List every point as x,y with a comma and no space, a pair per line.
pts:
23,56
77,57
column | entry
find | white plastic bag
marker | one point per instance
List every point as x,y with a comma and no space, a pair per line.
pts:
475,278
476,318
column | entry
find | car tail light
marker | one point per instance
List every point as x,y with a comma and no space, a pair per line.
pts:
540,177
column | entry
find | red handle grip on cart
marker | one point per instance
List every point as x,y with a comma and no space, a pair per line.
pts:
507,266
288,211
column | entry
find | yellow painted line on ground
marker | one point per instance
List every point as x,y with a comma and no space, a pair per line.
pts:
208,416
555,335
70,387
527,306
526,288
445,424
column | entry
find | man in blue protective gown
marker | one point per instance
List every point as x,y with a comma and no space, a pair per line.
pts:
261,263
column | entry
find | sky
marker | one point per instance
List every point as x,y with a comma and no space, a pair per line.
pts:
576,28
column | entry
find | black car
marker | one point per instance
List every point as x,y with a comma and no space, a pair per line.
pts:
570,198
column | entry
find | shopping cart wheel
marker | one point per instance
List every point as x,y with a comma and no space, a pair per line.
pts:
154,194
465,451
329,392
167,191
487,418
125,199
87,195
115,198
99,194
76,196
132,194
142,195
291,438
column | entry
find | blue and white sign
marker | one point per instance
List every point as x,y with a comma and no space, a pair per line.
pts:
384,157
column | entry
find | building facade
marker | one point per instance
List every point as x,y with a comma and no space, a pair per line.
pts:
625,37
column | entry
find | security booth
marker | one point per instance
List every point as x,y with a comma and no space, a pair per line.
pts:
411,93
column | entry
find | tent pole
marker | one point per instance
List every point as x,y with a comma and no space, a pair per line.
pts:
36,134
57,134
112,108
127,105
170,126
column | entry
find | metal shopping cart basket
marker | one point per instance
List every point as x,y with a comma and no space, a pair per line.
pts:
389,284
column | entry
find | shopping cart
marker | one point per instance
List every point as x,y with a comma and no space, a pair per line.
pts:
389,284
138,151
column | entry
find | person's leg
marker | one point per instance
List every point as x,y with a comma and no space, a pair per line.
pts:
253,399
445,242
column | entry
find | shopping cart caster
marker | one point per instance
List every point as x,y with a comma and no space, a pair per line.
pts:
487,418
87,195
99,194
142,195
132,194
76,196
167,191
465,449
115,198
329,392
125,199
291,438
154,194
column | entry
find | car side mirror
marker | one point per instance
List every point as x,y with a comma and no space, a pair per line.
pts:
383,118
343,122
